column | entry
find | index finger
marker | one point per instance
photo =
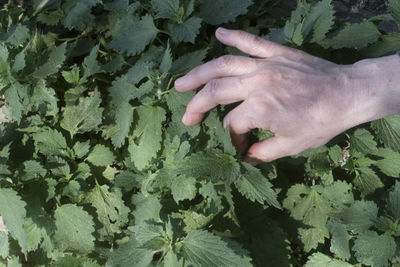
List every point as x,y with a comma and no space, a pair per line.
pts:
252,44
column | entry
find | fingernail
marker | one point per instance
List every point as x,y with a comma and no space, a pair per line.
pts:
180,82
222,31
184,118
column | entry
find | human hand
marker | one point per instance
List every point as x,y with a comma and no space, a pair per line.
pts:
304,100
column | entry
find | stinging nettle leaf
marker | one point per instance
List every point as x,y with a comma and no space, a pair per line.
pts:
133,38
74,228
83,117
101,156
187,31
222,11
254,186
55,58
202,248
166,9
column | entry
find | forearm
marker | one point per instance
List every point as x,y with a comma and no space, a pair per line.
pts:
376,85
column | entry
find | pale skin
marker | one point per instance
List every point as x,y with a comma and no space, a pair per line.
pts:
304,100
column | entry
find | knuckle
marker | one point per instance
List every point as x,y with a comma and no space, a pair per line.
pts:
224,62
212,88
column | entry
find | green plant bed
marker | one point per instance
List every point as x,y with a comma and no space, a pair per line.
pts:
96,168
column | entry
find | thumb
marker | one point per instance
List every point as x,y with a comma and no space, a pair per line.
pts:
270,149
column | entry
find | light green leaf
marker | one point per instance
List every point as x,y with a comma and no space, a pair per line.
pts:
339,240
367,181
321,260
306,204
74,228
389,165
202,248
81,149
311,237
50,142
147,208
110,208
4,245
366,32
359,217
388,131
83,117
255,187
130,254
148,135
373,249
101,156
12,210
363,141
166,61
183,188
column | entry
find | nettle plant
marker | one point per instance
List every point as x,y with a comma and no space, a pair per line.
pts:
96,168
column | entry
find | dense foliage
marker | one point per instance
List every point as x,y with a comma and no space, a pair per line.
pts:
96,168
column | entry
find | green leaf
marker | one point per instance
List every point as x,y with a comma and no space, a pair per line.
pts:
130,254
307,204
366,32
83,117
394,7
311,237
13,213
339,240
133,38
323,16
210,164
55,60
90,64
202,248
255,187
166,9
81,149
50,142
110,208
359,217
367,181
147,208
79,14
74,228
101,156
321,260
69,261
14,96
187,31
4,245
363,141
389,164
393,201
388,131
148,131
16,35
373,249
166,61
388,45
183,188
31,170
124,119
188,61
222,11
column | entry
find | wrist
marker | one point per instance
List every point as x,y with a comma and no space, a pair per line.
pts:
375,84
